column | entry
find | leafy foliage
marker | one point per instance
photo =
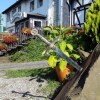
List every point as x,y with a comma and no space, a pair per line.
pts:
52,61
30,52
92,24
68,50
70,40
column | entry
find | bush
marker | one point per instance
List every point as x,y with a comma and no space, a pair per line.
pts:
31,52
92,24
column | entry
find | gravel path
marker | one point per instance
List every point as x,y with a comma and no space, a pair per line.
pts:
27,88
21,89
26,65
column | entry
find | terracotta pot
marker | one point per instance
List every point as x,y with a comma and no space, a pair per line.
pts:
62,75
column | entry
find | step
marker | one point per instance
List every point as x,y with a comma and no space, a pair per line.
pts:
19,45
12,47
4,51
1,53
24,43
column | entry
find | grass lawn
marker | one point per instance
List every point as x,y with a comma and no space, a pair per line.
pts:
46,73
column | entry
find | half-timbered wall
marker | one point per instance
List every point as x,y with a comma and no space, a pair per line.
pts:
79,9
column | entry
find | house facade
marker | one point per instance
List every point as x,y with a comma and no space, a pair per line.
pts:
41,13
78,9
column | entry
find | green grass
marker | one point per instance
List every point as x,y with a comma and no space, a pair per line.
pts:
31,52
45,73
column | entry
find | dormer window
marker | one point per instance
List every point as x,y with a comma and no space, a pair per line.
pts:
32,5
39,3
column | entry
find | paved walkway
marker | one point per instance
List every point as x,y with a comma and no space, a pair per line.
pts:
26,65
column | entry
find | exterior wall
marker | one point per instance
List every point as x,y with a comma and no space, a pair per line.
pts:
78,15
50,14
46,9
66,14
57,12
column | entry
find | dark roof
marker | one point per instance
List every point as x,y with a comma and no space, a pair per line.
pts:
35,15
12,6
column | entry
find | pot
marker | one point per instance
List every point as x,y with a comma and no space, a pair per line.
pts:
62,75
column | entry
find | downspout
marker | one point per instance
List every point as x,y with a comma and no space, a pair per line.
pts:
61,18
70,14
70,11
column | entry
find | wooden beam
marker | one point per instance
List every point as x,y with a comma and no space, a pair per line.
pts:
78,2
78,19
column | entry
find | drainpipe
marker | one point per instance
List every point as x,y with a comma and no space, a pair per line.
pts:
70,14
61,18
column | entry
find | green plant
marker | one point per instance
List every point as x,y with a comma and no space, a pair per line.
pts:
52,32
92,23
68,50
30,52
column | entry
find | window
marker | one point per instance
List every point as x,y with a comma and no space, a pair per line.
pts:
17,27
8,17
13,11
19,9
32,5
39,3
37,23
11,30
22,25
27,24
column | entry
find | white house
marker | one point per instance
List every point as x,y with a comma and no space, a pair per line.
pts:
41,13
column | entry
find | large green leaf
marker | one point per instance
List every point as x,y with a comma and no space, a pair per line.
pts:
63,46
47,29
52,61
70,47
76,56
54,31
66,53
62,64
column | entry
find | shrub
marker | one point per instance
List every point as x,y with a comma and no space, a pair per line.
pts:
92,24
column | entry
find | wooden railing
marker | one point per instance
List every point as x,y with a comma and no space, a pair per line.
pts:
22,39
